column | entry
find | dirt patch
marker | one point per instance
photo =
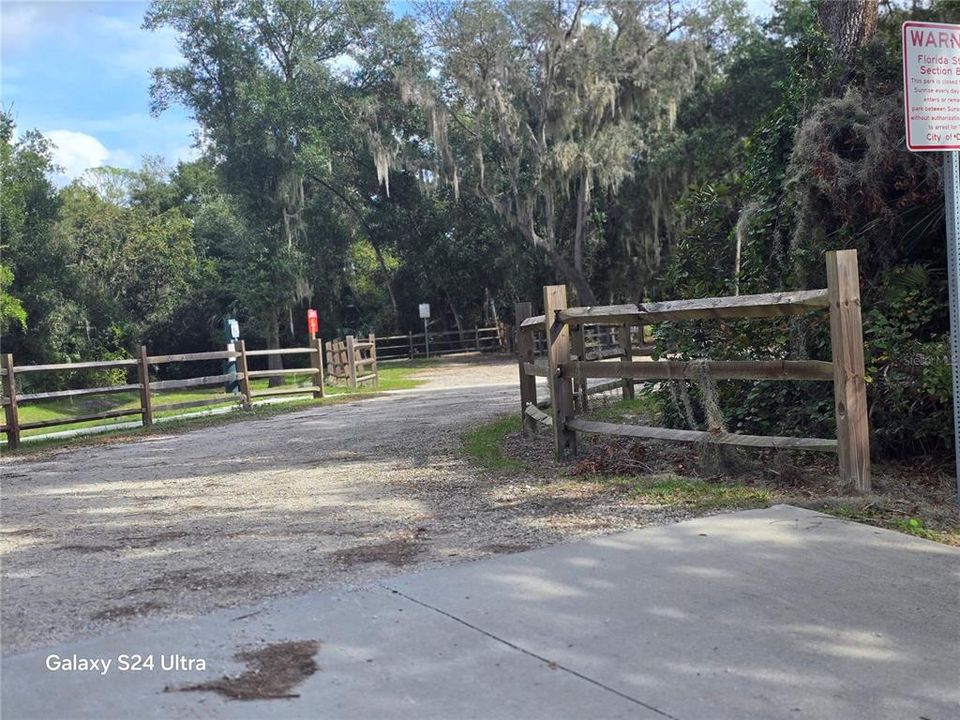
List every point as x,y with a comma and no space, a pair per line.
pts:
505,548
126,611
23,532
147,541
272,672
131,542
88,548
195,579
393,552
616,457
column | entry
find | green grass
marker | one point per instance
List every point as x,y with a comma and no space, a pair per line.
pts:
395,376
484,445
398,375
674,491
881,516
645,405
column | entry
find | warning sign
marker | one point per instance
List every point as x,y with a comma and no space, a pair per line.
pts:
931,85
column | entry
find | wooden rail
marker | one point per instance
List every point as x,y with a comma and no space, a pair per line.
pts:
537,414
658,433
94,365
192,382
59,394
216,400
282,371
568,364
80,418
730,308
691,369
193,357
280,351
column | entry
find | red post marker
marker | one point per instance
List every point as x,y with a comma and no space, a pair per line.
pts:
313,323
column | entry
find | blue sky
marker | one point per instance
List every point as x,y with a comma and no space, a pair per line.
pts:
79,73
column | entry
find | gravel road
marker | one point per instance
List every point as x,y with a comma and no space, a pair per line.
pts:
175,525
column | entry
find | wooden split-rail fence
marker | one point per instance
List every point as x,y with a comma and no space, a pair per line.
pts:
352,361
147,388
436,343
567,368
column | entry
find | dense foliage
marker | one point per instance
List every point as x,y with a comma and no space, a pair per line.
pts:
464,155
827,169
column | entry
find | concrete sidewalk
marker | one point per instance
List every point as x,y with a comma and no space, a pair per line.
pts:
767,614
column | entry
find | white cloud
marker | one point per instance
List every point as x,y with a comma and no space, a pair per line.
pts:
187,153
23,24
17,24
343,64
124,47
76,152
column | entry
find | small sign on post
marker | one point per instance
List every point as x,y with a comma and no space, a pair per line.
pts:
313,323
425,316
931,99
931,85
231,332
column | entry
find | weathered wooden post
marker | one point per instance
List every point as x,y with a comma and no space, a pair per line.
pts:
372,338
410,341
525,354
143,378
352,361
245,377
476,336
626,347
849,383
333,355
578,346
10,410
558,352
316,360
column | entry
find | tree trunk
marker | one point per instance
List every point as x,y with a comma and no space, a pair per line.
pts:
493,313
570,274
456,315
274,362
849,24
581,219
388,281
573,276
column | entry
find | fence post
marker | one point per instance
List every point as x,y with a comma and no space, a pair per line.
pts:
245,380
373,357
558,352
11,412
476,336
410,340
849,384
578,346
352,361
626,346
525,354
143,377
316,360
331,359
